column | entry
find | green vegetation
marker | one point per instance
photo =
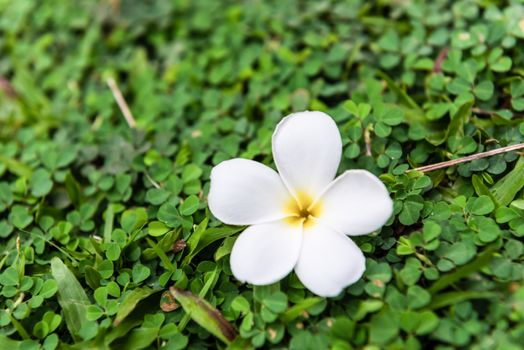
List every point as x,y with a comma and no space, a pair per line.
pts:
99,219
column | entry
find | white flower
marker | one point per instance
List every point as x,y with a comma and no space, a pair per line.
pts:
299,218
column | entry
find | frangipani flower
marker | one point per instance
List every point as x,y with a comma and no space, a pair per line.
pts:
299,218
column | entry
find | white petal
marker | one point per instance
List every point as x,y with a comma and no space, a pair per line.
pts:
356,203
307,149
265,253
329,261
245,192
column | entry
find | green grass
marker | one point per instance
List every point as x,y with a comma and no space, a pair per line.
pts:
98,219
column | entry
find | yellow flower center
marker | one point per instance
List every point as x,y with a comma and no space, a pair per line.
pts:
302,210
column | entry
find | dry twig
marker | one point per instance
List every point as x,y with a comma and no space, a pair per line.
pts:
122,104
437,68
472,157
367,140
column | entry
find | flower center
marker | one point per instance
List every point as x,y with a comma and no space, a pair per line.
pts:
302,210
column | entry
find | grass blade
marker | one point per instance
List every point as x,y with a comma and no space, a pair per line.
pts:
482,260
298,309
71,296
8,343
445,299
207,237
205,315
130,302
507,188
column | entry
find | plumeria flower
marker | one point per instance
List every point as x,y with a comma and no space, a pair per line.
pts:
299,218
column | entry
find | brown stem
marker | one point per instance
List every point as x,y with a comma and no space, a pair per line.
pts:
7,88
437,67
452,162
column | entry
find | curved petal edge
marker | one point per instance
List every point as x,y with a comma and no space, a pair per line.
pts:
356,203
266,253
245,192
329,261
307,148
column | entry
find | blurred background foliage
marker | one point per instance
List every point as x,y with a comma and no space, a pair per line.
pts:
98,219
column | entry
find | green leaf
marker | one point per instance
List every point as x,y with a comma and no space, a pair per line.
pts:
53,320
225,248
518,104
276,302
298,309
133,219
49,288
157,228
453,298
6,196
401,94
139,338
382,130
9,277
467,270
427,322
380,271
191,172
343,328
71,297
240,304
189,206
20,216
507,188
130,300
518,204
481,206
16,167
411,211
206,238
8,343
157,196
140,273
105,269
431,230
94,312
459,119
459,252
481,189
488,230
41,183
484,90
468,71
418,297
504,214
73,188
205,315
169,215
383,327
112,251
162,255
391,115
503,64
